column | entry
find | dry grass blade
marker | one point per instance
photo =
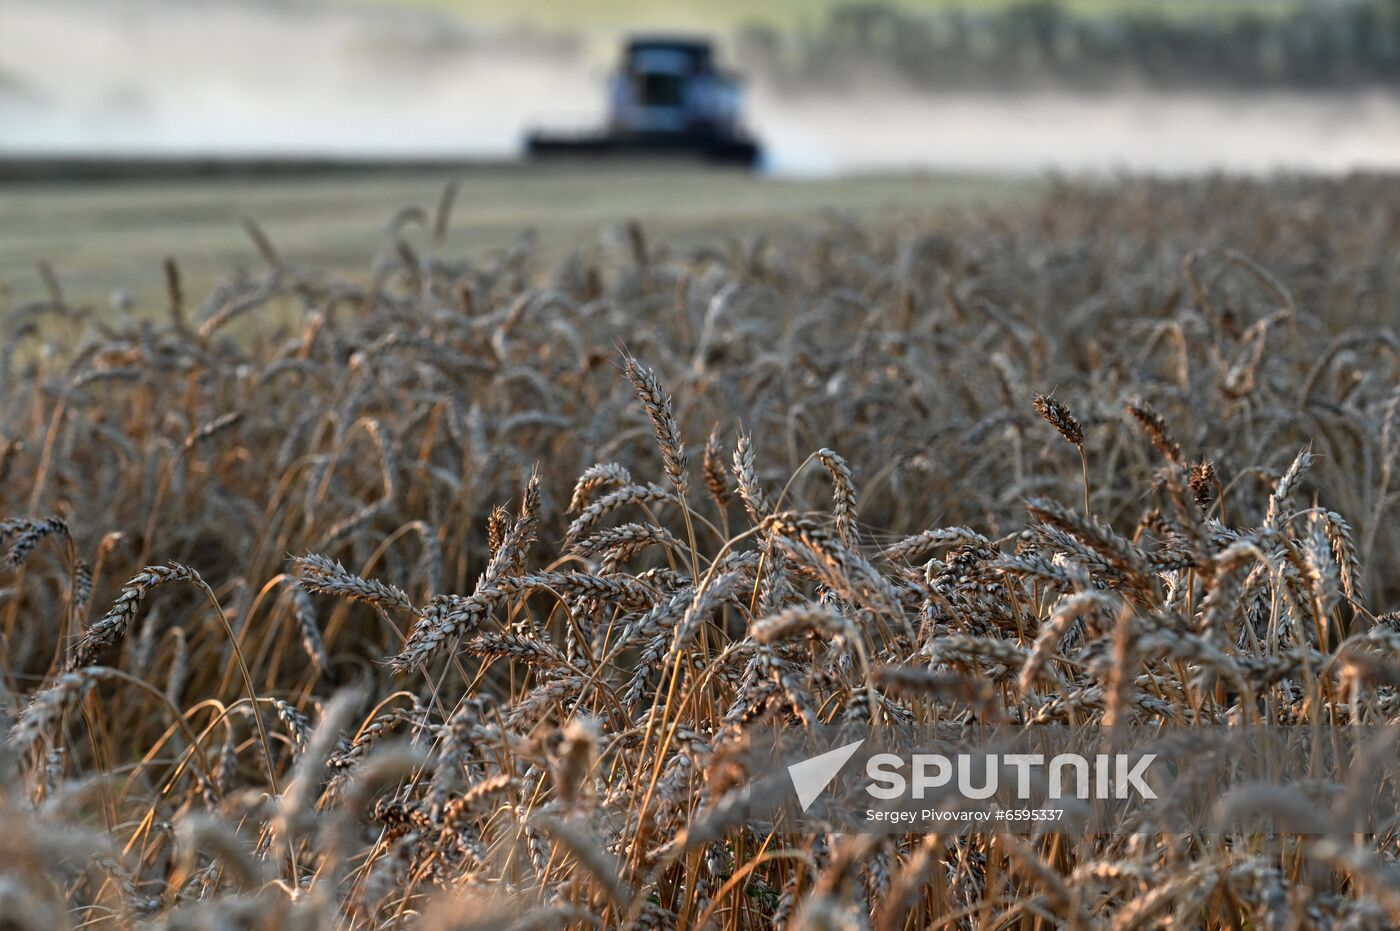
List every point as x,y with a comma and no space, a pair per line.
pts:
663,420
1155,426
1059,417
113,625
843,511
321,574
589,855
918,548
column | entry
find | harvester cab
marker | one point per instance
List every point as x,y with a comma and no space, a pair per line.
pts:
667,97
672,87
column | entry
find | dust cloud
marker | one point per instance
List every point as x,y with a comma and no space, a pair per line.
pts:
875,129
265,77
244,77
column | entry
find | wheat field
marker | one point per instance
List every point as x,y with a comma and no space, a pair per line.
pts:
447,596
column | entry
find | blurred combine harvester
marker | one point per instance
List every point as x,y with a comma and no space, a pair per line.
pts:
666,98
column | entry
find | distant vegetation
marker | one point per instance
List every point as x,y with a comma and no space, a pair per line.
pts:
1302,45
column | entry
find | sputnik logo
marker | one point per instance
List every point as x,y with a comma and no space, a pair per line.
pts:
811,777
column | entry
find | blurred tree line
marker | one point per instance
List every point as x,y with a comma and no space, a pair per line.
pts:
1341,43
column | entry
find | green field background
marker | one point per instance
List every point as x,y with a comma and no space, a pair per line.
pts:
104,237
